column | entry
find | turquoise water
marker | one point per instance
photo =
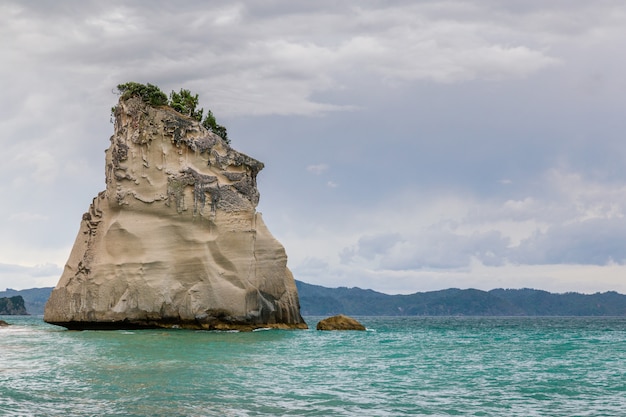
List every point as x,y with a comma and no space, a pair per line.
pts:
400,366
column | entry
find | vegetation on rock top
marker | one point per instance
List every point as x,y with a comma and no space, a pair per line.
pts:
149,93
183,102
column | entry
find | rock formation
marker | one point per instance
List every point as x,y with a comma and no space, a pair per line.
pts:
340,322
175,239
13,306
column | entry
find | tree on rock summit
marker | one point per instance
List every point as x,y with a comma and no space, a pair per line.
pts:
183,102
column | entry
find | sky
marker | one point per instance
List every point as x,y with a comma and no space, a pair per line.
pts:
409,146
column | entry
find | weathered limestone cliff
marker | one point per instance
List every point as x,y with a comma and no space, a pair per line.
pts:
174,240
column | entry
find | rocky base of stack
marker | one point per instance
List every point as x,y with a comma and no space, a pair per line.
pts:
216,325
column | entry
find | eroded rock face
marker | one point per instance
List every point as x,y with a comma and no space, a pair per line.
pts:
175,240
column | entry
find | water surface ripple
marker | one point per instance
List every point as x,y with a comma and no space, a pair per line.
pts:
444,366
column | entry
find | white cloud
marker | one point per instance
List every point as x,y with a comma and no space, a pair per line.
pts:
317,169
21,277
28,217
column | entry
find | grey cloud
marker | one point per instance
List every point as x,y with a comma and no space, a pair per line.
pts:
272,51
313,264
44,270
371,246
594,241
448,250
19,277
433,248
312,269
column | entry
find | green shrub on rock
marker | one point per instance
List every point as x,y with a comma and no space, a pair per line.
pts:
149,93
183,102
211,125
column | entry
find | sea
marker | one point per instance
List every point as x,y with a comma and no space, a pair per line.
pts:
400,366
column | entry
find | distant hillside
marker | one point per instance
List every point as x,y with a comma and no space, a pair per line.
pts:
316,300
12,306
543,303
34,298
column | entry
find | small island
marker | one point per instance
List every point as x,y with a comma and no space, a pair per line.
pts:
12,306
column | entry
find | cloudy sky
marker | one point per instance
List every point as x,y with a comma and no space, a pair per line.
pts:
409,145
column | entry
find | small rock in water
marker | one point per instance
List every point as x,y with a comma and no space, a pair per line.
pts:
3,323
339,322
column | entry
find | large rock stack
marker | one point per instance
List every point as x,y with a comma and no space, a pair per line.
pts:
175,239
